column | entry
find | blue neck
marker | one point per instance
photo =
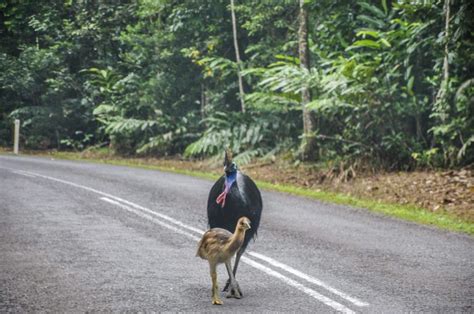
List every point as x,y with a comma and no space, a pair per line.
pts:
230,178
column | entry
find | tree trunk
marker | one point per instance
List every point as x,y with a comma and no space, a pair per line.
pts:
309,139
446,44
237,56
441,96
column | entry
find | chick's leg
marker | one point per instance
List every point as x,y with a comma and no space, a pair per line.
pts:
235,290
215,289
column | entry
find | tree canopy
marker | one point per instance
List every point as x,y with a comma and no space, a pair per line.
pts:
389,82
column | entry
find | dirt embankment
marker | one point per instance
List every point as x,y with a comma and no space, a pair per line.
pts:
438,191
450,191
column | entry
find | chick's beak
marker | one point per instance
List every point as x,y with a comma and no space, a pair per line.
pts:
247,224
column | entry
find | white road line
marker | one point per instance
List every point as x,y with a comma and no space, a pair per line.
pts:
335,305
308,278
166,217
329,302
155,220
24,174
163,216
116,200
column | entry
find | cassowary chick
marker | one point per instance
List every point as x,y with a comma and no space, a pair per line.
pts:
219,246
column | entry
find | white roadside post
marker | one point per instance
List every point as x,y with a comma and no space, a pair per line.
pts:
16,138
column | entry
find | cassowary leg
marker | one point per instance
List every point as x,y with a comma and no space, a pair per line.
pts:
236,265
235,290
215,288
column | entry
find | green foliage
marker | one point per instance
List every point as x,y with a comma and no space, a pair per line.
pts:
247,135
159,77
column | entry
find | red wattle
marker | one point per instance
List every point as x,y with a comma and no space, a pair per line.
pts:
221,198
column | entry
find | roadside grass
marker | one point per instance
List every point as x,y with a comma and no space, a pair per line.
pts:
411,213
405,212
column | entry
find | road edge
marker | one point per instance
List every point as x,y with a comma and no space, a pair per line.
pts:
409,213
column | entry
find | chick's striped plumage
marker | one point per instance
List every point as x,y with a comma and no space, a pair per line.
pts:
216,245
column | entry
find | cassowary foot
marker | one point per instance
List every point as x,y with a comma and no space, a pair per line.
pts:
227,285
235,292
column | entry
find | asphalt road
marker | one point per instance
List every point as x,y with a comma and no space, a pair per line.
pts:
78,237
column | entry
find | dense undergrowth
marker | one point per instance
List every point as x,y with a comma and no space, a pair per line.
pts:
391,81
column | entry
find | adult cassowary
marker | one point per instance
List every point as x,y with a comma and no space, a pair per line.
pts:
233,196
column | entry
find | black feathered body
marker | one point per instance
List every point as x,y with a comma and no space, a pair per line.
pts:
243,199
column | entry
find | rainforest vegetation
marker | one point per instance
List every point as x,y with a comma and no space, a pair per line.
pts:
380,82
